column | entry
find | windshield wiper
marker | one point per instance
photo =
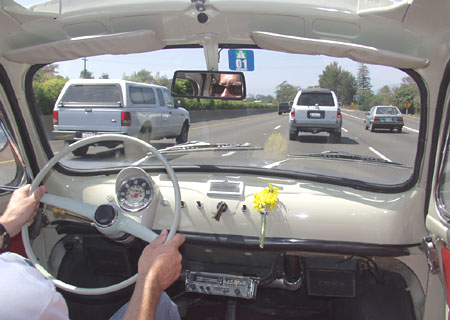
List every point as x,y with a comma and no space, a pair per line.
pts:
200,146
193,146
345,156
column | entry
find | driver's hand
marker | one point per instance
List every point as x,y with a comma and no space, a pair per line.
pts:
160,263
21,209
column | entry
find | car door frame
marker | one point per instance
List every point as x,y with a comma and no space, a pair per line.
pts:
436,245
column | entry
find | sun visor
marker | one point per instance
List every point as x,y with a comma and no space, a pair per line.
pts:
360,53
118,43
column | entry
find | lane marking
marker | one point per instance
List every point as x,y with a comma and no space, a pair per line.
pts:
382,156
411,129
275,164
343,129
7,161
228,154
277,127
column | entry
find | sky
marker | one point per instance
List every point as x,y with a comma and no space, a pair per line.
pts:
271,68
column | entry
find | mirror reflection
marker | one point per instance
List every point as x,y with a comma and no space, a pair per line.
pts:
209,85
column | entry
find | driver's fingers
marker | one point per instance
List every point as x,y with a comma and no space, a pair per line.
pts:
160,240
38,194
177,240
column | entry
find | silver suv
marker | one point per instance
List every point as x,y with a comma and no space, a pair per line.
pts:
316,110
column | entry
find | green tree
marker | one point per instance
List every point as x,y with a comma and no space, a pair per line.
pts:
363,78
46,92
386,95
143,76
285,92
104,76
86,74
342,82
45,73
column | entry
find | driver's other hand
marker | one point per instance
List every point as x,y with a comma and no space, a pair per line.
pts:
160,263
21,208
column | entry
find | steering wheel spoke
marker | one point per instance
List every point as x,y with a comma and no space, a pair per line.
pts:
130,226
80,208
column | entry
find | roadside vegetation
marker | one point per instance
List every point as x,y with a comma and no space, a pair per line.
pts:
352,91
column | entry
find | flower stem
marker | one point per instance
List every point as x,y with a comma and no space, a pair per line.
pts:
262,234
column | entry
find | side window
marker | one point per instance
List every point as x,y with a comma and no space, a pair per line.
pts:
162,103
141,95
168,98
12,168
149,95
136,95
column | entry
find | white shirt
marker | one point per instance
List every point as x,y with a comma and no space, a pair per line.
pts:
25,293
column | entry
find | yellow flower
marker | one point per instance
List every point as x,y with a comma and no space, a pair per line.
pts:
266,199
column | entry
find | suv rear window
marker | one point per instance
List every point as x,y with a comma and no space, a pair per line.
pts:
313,98
97,94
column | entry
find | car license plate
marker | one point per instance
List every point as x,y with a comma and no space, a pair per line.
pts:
315,114
87,134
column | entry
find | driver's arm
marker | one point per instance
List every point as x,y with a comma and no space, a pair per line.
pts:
20,210
159,266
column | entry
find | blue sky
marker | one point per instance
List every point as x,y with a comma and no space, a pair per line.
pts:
271,68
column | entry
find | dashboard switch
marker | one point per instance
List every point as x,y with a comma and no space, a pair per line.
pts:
221,207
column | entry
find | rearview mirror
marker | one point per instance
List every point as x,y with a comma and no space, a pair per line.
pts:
209,85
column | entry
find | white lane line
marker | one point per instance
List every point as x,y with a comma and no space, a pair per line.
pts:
277,127
270,166
228,154
343,129
382,156
349,115
411,129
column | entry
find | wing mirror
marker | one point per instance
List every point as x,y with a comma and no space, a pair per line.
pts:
209,85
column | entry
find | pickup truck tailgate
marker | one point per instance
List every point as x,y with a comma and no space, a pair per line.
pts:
90,119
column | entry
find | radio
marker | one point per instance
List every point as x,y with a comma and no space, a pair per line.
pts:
221,284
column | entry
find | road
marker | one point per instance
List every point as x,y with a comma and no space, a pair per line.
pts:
260,129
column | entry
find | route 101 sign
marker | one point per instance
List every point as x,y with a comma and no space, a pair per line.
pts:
241,60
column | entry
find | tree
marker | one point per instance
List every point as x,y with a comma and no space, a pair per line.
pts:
104,76
285,92
46,93
86,74
143,76
342,82
45,73
363,78
386,95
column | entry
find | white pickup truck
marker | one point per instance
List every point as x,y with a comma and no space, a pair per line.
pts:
87,107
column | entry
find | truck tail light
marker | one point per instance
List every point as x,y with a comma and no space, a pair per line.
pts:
292,112
55,117
339,115
126,119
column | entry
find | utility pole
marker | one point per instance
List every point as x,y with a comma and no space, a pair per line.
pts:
84,70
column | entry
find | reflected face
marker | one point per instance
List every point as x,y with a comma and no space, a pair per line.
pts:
230,85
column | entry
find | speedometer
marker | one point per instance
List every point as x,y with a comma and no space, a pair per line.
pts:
135,194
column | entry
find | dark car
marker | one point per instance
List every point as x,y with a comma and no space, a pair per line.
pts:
384,117
284,107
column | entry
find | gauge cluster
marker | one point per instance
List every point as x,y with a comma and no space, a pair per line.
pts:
137,194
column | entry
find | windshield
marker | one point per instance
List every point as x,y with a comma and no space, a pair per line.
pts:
98,94
312,98
256,134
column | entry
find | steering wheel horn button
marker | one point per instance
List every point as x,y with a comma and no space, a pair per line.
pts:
105,215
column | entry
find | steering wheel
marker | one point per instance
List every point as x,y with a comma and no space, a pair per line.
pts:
120,223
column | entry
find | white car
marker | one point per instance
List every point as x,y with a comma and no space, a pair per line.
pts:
275,229
88,107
